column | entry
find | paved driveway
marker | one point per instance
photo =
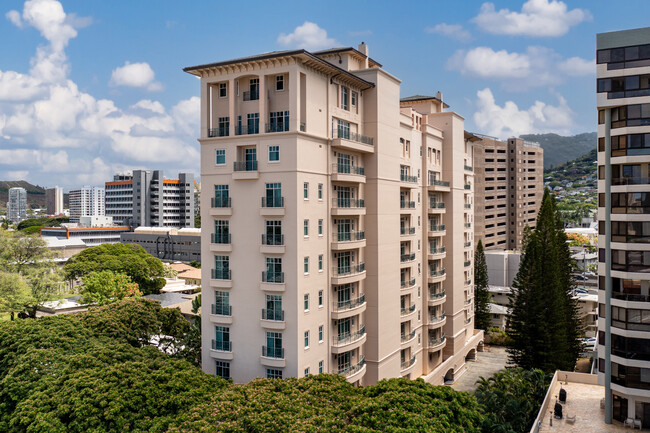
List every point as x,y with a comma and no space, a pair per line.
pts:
490,361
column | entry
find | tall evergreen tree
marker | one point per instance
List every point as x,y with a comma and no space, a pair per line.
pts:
544,323
481,294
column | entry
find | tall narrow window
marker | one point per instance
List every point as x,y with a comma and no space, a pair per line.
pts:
222,90
224,127
273,196
306,228
221,269
320,262
221,232
253,90
222,369
253,123
220,156
320,191
320,334
306,302
306,339
345,102
320,227
221,305
279,83
222,339
320,298
306,265
305,190
320,367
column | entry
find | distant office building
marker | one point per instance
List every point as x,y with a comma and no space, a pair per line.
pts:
167,243
502,266
54,200
510,185
17,205
92,231
85,202
146,198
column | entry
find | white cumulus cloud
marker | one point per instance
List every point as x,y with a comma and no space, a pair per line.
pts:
453,31
135,75
509,120
545,18
577,66
308,36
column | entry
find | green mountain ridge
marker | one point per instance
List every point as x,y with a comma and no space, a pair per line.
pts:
560,149
35,194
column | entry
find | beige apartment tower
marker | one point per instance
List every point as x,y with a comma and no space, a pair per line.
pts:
337,219
510,181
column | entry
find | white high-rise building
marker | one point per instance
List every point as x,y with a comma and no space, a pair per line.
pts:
87,201
17,204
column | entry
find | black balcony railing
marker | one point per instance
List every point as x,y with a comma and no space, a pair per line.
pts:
349,304
406,364
437,205
221,309
218,132
407,257
433,319
407,230
437,272
436,341
349,269
348,169
273,352
221,274
403,204
273,239
225,346
407,337
273,315
348,203
272,201
631,181
438,250
352,369
349,337
220,238
272,277
247,129
244,166
353,136
468,244
436,227
349,236
277,127
253,95
434,181
220,202
407,178
407,283
407,310
436,295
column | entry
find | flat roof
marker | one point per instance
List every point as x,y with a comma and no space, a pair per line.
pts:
623,38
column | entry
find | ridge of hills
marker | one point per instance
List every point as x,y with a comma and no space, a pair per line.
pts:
559,149
35,194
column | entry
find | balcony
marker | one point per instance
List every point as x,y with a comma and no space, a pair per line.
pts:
405,338
406,204
405,311
349,304
437,343
272,206
468,168
630,181
273,319
245,170
353,372
277,127
406,231
348,206
221,314
348,173
348,273
220,206
247,129
405,365
348,240
220,242
218,132
224,346
253,95
468,282
467,244
273,277
436,252
349,337
436,275
273,352
404,258
272,244
403,177
437,227
436,298
468,206
221,278
436,184
407,284
468,186
303,127
351,140
467,263
435,320
436,206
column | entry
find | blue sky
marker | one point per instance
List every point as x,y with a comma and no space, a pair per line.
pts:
88,88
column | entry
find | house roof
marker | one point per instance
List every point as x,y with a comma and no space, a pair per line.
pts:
416,98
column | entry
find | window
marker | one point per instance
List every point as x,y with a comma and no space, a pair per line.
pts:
306,339
222,90
273,235
221,305
354,99
222,339
306,302
320,191
224,127
273,195
306,371
279,121
221,156
320,262
305,190
221,269
274,153
273,309
253,123
320,334
222,369
221,232
306,228
273,373
345,98
273,348
273,273
279,83
221,198
320,367
320,227
342,129
253,90
320,298
306,265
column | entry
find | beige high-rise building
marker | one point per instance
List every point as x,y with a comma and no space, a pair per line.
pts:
54,200
510,186
336,222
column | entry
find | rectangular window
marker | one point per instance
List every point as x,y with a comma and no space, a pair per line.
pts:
320,191
345,98
221,305
221,232
273,235
221,269
320,262
273,348
273,373
273,309
320,298
320,227
306,265
221,156
342,129
306,228
253,90
306,339
273,195
274,153
354,99
320,367
222,369
253,123
222,90
320,334
222,339
224,127
279,83
278,121
305,190
273,273
306,371
306,302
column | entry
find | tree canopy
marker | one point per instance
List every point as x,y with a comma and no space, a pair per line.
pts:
481,293
144,269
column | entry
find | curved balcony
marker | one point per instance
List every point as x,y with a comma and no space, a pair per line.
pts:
467,244
407,258
436,275
345,342
273,357
272,319
406,365
220,206
467,263
221,314
408,284
348,240
221,349
437,343
348,274
437,253
437,321
220,243
407,338
407,311
348,206
353,372
348,308
348,173
437,298
221,278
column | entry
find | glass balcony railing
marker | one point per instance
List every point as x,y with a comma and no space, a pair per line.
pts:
467,263
436,295
436,341
273,352
468,168
221,274
438,250
277,315
433,319
468,244
220,238
406,364
272,277
436,227
219,202
272,201
349,337
407,310
352,369
221,309
408,178
407,257
407,230
468,206
407,337
407,283
437,205
434,181
342,271
245,166
225,346
351,236
348,169
349,304
403,204
437,272
273,239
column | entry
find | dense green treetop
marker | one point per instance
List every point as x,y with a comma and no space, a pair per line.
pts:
481,293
